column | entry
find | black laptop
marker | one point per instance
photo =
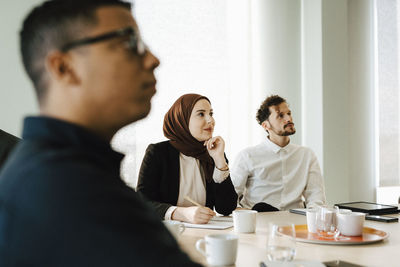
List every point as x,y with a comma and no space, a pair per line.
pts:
369,207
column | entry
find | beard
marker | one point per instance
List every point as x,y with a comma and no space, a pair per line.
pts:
285,132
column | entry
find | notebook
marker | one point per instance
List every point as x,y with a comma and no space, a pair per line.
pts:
217,222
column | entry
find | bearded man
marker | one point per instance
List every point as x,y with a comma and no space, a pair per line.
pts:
277,175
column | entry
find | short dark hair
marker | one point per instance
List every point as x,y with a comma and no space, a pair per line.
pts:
51,25
264,112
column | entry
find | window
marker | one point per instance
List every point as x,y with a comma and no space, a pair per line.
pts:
388,99
191,40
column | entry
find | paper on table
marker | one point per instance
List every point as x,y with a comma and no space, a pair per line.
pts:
294,263
222,219
217,222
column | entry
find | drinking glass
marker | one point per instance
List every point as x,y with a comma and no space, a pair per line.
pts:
327,222
281,242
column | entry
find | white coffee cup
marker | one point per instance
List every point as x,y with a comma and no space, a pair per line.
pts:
344,211
311,214
176,228
351,223
220,249
244,221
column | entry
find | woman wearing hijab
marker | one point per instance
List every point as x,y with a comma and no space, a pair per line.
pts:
190,165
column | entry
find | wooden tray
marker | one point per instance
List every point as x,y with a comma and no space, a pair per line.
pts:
370,235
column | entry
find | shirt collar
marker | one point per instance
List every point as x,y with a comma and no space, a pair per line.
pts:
275,148
60,132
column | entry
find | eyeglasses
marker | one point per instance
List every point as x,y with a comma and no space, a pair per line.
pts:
135,43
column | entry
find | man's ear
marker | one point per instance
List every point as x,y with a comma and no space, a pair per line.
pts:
61,68
266,125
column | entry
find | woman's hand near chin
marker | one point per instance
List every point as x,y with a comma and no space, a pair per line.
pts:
199,215
216,148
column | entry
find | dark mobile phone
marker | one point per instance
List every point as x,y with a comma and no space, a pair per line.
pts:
339,263
381,218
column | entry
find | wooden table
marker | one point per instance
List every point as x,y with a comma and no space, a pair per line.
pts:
252,247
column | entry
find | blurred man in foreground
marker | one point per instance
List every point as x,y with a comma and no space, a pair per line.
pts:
62,201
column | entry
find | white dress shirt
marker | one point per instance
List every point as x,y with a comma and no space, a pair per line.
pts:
279,176
192,183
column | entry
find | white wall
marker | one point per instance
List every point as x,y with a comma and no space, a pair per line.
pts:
361,101
312,119
17,97
348,106
277,54
325,74
335,99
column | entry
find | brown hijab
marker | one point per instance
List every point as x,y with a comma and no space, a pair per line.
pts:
176,129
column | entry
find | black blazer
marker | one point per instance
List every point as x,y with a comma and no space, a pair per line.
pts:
159,182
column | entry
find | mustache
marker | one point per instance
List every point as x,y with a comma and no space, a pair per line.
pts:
290,123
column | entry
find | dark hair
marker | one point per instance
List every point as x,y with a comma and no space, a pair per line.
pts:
264,112
51,25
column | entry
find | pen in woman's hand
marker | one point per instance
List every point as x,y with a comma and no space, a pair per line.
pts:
192,201
198,205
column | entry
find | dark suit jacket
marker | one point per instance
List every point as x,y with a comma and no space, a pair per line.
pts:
159,182
63,203
7,143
